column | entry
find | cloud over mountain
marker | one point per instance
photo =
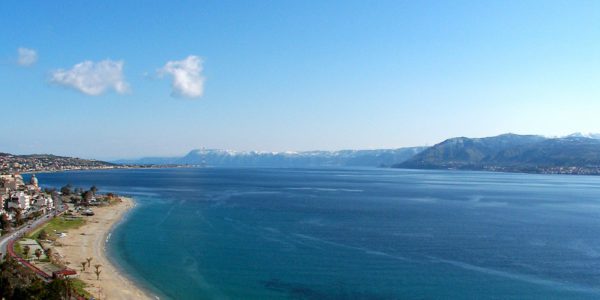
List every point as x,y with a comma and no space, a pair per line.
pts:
187,76
27,57
93,78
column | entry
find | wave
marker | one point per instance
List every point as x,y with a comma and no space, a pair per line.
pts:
325,189
364,250
516,276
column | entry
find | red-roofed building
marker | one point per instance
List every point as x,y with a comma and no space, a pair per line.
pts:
64,273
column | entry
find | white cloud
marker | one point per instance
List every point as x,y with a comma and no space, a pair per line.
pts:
27,57
187,76
93,78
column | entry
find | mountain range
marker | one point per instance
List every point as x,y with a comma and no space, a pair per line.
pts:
228,158
573,154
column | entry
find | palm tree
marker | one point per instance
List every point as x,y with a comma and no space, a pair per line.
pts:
98,271
89,262
83,263
38,253
26,251
48,252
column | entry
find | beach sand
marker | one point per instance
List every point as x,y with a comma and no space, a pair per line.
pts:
89,241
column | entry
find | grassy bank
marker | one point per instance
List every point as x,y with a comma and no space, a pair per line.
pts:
58,224
79,287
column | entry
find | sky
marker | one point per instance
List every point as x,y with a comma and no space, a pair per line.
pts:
125,79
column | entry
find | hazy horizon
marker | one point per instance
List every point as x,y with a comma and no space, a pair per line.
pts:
133,81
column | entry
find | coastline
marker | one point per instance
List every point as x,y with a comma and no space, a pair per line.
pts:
90,240
119,167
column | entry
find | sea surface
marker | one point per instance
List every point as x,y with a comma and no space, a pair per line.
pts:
217,233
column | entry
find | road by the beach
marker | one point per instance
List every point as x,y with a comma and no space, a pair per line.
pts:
22,230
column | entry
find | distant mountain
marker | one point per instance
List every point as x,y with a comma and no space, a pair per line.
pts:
464,152
227,158
573,154
585,135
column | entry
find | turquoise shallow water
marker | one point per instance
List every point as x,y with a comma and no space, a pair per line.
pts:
354,233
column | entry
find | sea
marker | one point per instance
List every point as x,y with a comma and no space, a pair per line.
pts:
344,233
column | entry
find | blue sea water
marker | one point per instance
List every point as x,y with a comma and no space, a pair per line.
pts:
354,233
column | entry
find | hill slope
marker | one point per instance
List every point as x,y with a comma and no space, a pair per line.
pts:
10,163
512,153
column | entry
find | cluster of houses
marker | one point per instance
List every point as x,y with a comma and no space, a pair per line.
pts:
10,163
27,198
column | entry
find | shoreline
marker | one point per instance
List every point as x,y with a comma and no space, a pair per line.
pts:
90,240
141,167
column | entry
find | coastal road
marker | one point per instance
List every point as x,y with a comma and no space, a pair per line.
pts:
22,231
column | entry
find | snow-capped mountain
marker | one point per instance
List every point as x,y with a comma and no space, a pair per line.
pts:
230,158
588,135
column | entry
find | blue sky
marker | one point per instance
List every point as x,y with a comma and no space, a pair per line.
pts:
291,75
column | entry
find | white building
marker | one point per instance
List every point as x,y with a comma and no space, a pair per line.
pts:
3,200
19,200
12,182
42,202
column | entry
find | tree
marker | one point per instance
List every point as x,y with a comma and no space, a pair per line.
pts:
43,235
38,253
69,285
97,271
19,217
94,189
49,191
66,190
87,196
83,264
57,289
49,253
54,195
34,215
26,250
5,222
89,262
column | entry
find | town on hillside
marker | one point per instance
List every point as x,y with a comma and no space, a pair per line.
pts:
15,164
10,163
20,201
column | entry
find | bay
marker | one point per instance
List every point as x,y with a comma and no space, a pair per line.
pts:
224,233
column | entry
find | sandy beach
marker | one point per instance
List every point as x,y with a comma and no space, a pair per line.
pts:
89,241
